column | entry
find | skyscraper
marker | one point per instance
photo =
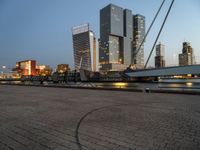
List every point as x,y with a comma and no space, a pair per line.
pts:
139,33
159,58
84,43
111,37
186,58
128,37
117,37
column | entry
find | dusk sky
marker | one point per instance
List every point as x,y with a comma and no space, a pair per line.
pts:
41,29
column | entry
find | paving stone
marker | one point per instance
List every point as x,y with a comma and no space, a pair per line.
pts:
38,118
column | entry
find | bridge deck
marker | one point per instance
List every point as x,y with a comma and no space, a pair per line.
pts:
169,71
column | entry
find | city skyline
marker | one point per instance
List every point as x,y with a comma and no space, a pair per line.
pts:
26,37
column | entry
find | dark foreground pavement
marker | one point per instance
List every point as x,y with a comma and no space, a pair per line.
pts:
36,118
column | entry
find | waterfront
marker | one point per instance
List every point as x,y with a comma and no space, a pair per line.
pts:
167,84
167,87
65,85
153,85
58,119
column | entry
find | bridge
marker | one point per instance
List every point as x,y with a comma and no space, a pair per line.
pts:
168,71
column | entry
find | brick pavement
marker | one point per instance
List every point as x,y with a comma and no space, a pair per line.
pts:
36,118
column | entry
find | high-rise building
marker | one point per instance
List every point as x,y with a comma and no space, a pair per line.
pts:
84,43
160,54
186,58
111,36
117,37
139,33
128,37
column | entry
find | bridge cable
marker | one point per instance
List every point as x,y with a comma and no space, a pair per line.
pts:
159,32
150,27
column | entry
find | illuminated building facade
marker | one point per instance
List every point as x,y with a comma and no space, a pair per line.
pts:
84,43
186,58
30,68
160,54
62,68
43,70
26,67
120,34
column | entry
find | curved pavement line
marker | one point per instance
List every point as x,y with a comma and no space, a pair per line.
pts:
85,116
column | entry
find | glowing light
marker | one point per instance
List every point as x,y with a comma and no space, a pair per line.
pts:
29,68
189,84
120,84
4,67
41,67
189,75
178,77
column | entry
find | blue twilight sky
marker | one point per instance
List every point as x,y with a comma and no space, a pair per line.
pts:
41,29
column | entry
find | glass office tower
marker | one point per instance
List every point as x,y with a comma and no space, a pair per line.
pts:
84,43
116,43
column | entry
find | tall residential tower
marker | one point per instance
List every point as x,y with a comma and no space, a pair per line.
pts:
84,43
138,36
160,54
186,58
